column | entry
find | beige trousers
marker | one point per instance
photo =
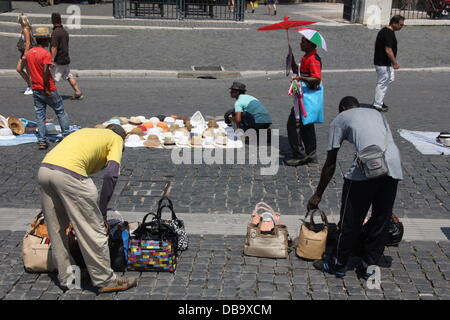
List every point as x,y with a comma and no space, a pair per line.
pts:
67,199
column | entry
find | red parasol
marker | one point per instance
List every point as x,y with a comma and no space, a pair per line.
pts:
286,24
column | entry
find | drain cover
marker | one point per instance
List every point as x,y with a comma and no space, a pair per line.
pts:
207,68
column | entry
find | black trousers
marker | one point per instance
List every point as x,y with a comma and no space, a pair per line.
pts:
247,122
357,197
302,139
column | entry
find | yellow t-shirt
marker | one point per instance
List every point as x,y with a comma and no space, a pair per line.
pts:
86,151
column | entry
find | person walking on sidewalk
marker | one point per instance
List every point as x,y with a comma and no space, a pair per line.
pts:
272,4
25,43
385,60
248,112
68,195
45,94
362,127
302,138
60,55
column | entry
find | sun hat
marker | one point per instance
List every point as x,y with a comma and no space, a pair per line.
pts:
137,131
238,86
212,124
148,124
113,121
16,125
174,127
133,140
142,118
152,141
179,122
196,141
6,134
142,127
128,127
123,120
161,117
169,120
154,120
42,33
135,121
221,140
163,126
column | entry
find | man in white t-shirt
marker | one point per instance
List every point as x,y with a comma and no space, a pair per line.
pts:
362,127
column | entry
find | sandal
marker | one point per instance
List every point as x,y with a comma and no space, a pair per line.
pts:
42,145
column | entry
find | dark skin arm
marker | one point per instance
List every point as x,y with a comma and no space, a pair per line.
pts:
327,174
237,118
46,77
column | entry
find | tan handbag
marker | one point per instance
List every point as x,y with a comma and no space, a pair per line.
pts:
267,224
271,245
36,251
312,241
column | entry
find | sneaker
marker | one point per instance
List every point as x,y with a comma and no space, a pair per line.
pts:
295,162
43,145
384,108
324,266
253,11
120,284
77,96
28,91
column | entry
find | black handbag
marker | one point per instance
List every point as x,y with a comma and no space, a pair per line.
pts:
176,224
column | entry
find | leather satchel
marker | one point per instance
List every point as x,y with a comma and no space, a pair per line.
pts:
36,250
266,224
274,244
312,239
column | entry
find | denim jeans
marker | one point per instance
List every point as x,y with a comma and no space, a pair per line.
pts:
41,101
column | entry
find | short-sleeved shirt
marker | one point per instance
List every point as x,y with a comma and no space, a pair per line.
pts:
385,38
363,127
60,40
248,103
311,65
36,58
86,151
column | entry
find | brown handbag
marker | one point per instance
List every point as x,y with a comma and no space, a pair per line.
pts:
312,239
267,245
36,250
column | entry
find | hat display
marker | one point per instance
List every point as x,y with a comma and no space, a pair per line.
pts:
143,128
169,120
196,141
142,118
161,117
16,125
208,133
163,126
137,131
133,140
6,134
136,121
238,86
123,120
221,140
42,33
152,141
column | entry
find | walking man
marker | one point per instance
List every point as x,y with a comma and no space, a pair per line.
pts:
45,94
362,127
302,138
385,60
68,195
60,56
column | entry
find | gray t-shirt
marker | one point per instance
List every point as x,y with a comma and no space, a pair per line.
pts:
363,127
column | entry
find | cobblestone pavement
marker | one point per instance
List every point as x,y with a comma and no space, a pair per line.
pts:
214,268
147,173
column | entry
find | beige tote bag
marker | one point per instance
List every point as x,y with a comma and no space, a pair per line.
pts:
37,256
270,245
312,241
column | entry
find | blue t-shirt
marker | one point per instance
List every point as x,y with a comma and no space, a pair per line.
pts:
247,103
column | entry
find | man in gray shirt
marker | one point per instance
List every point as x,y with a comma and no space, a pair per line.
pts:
362,127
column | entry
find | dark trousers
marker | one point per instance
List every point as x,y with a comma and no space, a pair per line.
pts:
247,121
357,197
302,139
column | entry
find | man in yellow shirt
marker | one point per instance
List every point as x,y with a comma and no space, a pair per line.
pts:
69,195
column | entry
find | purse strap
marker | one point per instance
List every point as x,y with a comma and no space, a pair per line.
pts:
162,205
270,215
263,205
322,215
37,221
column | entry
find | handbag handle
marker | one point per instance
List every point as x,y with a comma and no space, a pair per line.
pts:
263,205
322,215
145,217
160,209
161,201
266,214
37,221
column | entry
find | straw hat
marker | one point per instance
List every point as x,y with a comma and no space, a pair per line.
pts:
221,140
136,121
128,127
133,140
16,125
169,120
152,141
196,141
123,120
163,126
42,33
143,128
208,133
174,127
137,131
212,124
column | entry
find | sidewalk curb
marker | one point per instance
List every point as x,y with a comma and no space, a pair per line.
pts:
176,74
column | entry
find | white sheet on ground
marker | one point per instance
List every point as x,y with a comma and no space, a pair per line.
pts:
425,142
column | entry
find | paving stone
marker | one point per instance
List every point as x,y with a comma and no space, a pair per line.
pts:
49,296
